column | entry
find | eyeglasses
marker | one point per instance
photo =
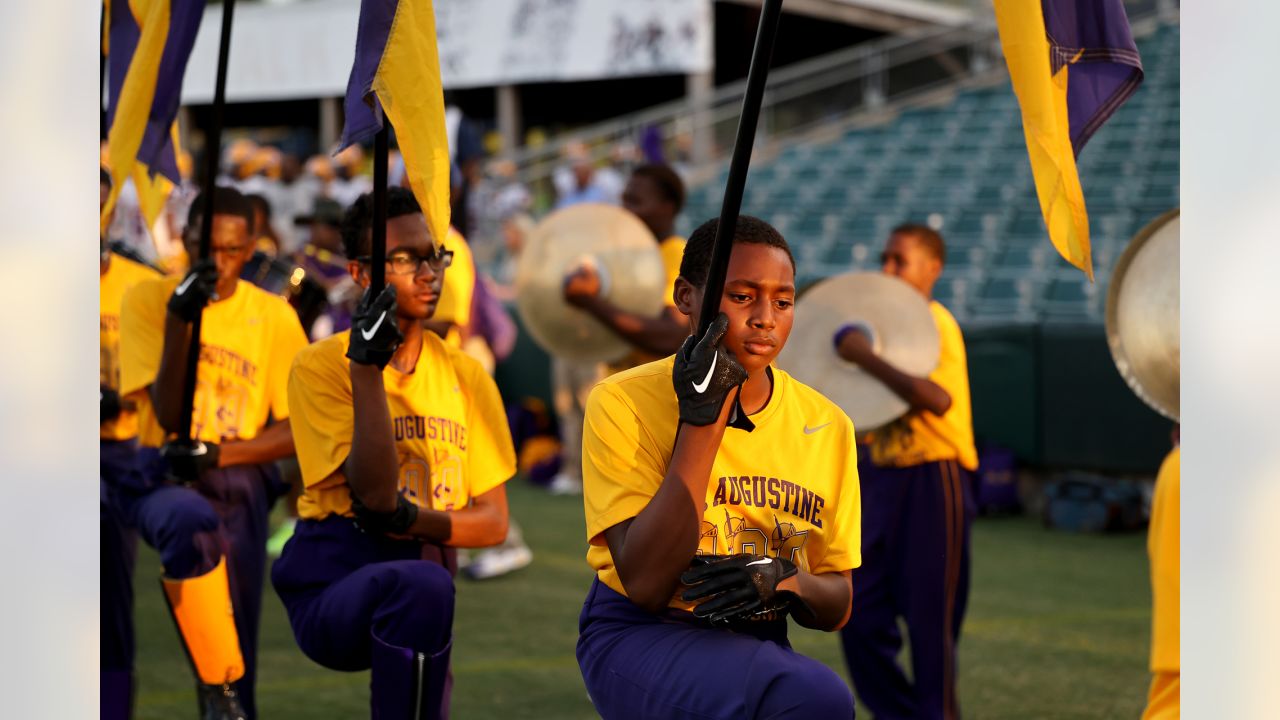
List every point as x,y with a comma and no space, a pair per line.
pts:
407,262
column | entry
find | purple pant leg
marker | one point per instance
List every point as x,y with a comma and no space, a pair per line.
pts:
641,666
118,550
357,602
915,566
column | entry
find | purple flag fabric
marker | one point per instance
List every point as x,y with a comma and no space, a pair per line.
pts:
363,110
1092,37
156,151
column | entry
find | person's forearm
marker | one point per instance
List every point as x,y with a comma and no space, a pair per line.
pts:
661,335
824,600
274,442
662,539
920,393
166,389
471,527
372,468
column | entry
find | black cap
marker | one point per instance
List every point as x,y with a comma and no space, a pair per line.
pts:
326,211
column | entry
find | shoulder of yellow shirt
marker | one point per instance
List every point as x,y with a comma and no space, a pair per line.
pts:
334,348
132,267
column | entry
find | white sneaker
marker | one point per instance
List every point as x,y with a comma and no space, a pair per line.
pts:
563,484
498,561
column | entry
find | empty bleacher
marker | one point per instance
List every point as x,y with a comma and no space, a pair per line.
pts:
963,168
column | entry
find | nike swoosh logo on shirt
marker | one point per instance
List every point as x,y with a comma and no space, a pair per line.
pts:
702,387
368,334
763,561
811,430
182,289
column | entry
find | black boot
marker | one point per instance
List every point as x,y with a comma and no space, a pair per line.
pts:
219,702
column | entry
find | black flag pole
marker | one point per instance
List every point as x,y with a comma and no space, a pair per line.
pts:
378,251
213,152
757,74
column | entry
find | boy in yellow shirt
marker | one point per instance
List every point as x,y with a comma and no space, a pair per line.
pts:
917,494
404,449
118,447
704,536
206,512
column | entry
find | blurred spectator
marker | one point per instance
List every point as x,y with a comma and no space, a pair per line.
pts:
515,229
349,182
577,181
322,258
497,196
265,238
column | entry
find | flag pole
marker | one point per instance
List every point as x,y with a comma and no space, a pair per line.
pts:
213,152
378,251
757,74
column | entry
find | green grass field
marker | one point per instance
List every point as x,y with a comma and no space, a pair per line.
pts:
1058,627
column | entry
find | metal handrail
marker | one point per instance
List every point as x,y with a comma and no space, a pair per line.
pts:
785,84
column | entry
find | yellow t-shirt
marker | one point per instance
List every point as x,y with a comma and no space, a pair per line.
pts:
1164,551
122,274
920,437
672,251
449,421
454,304
789,488
247,344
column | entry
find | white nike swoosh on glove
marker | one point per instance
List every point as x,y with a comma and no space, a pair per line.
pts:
762,561
182,289
368,334
702,387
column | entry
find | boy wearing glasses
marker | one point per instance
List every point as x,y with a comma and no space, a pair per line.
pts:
205,512
404,449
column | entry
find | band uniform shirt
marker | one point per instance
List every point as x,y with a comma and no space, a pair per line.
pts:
672,251
449,421
121,276
247,344
454,305
1165,554
787,489
920,436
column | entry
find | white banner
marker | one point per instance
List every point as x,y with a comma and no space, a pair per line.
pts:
304,49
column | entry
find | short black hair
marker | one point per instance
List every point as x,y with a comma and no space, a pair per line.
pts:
669,184
358,220
750,230
259,202
226,201
929,238
104,178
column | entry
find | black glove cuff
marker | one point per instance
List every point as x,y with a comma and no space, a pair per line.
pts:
395,522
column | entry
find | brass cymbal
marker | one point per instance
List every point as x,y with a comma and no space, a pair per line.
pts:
1142,315
621,249
902,331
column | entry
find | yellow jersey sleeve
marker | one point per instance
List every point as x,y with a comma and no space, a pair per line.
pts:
286,342
142,334
1164,549
621,469
459,285
122,275
491,456
920,436
672,250
319,395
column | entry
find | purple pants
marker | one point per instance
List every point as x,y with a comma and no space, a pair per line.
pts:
669,666
915,565
358,601
192,528
117,551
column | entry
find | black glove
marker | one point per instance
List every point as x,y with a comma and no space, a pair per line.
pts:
739,586
705,374
195,291
375,334
109,406
189,460
396,522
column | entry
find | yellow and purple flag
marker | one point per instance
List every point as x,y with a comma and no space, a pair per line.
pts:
1072,64
397,72
147,43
